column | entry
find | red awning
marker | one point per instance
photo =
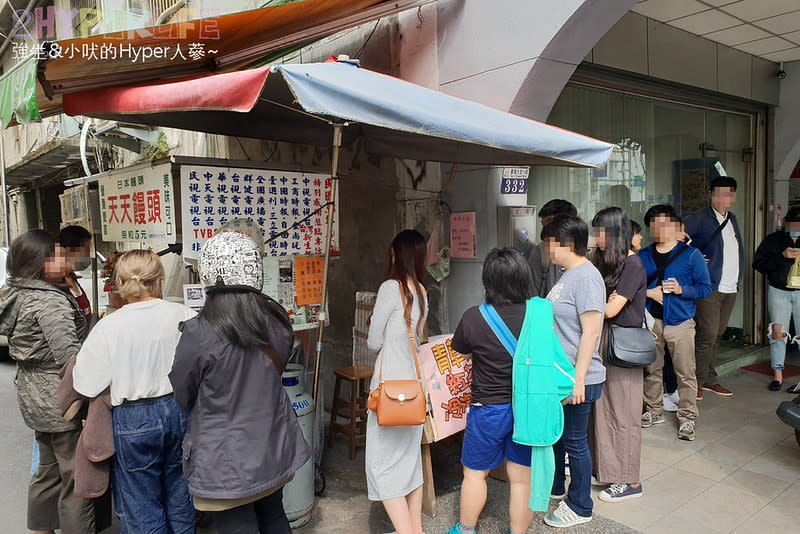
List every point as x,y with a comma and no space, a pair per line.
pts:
244,38
232,91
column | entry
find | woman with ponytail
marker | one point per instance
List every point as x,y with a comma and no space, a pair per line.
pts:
131,352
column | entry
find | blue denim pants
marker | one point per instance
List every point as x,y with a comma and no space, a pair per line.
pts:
783,306
151,495
575,442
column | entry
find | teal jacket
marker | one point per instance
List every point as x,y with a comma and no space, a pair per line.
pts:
543,377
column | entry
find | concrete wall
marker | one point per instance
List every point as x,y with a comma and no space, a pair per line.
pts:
786,139
502,51
644,46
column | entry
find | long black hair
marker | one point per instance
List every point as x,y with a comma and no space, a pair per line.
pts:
506,277
618,234
28,253
242,317
405,262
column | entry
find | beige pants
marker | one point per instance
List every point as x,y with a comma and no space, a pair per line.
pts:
680,341
51,503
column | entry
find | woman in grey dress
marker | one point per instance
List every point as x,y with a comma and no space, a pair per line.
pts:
394,454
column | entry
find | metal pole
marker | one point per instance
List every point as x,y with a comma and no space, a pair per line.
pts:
323,316
4,188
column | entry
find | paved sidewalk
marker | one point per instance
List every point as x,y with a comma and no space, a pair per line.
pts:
741,475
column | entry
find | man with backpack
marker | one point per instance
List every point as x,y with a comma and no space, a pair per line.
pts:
677,276
545,273
715,232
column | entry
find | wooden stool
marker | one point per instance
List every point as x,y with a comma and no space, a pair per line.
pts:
354,409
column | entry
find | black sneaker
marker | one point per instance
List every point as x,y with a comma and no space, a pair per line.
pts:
775,385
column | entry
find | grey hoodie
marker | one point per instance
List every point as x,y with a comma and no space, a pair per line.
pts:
44,326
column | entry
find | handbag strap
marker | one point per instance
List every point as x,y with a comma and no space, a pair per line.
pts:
411,339
269,350
715,234
499,328
660,273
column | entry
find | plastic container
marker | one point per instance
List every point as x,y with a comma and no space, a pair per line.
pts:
298,495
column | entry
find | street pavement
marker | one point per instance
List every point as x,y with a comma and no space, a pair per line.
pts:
741,475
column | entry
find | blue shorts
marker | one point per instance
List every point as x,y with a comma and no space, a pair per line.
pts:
487,438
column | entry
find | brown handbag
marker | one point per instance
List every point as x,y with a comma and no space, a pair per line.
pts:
400,402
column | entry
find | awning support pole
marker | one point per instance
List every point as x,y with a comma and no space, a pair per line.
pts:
323,316
4,191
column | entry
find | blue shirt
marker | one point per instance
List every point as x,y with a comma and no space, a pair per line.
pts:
690,270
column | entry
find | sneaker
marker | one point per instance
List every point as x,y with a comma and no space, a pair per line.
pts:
794,389
775,385
719,390
669,404
686,431
563,517
699,394
675,397
456,529
620,492
596,482
649,419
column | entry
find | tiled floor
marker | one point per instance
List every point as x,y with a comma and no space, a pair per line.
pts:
741,474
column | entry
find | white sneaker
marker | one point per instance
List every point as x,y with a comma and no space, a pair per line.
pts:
669,404
563,517
596,482
675,397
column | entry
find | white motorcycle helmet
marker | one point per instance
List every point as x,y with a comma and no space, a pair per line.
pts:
231,260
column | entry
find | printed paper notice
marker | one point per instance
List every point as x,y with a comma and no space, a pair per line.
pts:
271,277
462,234
448,378
308,272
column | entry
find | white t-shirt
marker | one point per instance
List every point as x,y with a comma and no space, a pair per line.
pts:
132,351
729,281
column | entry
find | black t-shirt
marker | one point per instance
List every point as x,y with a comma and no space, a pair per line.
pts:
632,285
656,309
492,365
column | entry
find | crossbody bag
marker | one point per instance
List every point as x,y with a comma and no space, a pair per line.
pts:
400,402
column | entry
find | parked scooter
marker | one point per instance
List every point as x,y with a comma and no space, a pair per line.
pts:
789,413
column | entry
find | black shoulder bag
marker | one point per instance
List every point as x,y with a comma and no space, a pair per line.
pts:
635,346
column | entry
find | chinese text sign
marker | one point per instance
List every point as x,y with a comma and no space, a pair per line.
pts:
137,205
462,234
308,272
448,377
275,200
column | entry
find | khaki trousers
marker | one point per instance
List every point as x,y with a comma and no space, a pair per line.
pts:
51,503
680,341
712,319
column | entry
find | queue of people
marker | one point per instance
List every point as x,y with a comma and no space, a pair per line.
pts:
197,422
683,287
200,422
